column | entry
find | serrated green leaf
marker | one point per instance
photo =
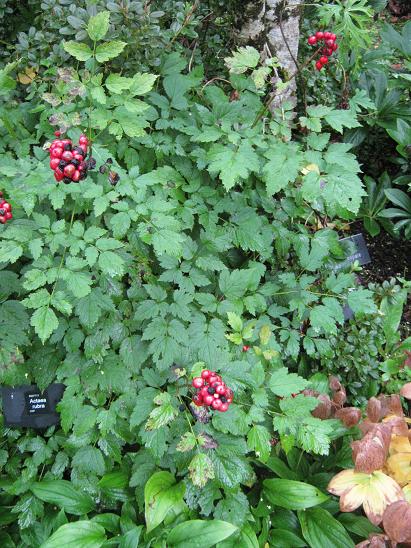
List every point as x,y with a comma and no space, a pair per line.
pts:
283,383
258,440
116,83
109,50
78,50
44,322
98,25
201,470
242,59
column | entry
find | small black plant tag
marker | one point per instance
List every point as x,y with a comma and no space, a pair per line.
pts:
26,406
355,249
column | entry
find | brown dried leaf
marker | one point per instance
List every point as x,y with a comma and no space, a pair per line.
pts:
349,416
340,397
397,521
375,541
370,453
323,409
406,391
334,383
374,410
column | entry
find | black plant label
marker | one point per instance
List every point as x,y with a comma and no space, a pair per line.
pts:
355,249
27,406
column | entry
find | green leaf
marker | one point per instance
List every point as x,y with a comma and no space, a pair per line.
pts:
89,460
282,166
359,525
116,83
281,538
294,495
78,534
64,495
235,321
111,263
161,494
34,279
338,119
98,25
197,533
44,322
109,50
131,538
142,83
283,383
79,284
242,59
258,439
232,164
187,442
10,252
201,470
361,301
320,528
78,50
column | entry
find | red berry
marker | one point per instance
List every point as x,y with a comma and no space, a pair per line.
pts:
319,35
197,381
329,43
76,176
58,175
204,392
335,46
327,35
212,379
2,219
246,348
9,215
329,51
69,172
54,162
83,139
6,206
324,60
56,152
229,400
57,143
208,400
198,400
224,407
333,37
57,133
312,40
67,156
205,374
318,65
78,157
216,404
220,390
83,148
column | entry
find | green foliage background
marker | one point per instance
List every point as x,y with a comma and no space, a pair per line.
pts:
221,232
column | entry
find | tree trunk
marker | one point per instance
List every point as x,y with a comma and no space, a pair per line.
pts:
273,29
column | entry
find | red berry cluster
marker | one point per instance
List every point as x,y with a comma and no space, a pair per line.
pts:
68,161
330,45
5,210
212,391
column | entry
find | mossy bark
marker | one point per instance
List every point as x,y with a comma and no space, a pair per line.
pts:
273,28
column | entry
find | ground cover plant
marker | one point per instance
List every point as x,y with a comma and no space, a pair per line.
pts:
170,251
